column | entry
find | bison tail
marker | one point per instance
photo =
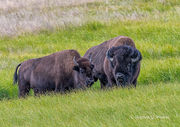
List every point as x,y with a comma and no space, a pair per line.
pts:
16,75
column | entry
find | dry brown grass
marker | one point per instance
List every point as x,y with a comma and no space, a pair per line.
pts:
19,16
23,16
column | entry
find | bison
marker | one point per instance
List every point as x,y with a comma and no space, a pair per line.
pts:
58,72
116,62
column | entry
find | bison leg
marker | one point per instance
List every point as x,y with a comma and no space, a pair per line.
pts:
102,84
59,88
24,88
103,81
134,82
38,91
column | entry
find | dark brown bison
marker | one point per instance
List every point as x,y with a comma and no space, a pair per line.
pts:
117,62
61,71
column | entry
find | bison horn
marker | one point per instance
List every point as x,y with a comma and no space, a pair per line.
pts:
137,58
90,57
75,62
110,53
111,59
109,56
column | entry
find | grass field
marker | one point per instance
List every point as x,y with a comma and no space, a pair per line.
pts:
155,28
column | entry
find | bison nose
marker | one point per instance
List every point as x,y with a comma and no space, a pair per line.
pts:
89,82
120,77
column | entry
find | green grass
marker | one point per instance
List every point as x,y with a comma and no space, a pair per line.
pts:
155,101
153,105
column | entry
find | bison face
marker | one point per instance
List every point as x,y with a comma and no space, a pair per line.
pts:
123,63
84,69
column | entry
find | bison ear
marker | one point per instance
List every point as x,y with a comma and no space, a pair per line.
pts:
110,53
136,56
76,68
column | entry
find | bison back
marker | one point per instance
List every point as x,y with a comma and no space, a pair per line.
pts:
47,71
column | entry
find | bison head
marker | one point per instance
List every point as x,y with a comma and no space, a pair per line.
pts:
123,63
83,68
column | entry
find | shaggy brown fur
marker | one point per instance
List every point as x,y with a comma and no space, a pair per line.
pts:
55,72
104,71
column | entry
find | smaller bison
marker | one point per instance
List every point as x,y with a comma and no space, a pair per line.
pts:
59,72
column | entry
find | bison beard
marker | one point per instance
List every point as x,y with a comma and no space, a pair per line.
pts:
117,62
57,72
